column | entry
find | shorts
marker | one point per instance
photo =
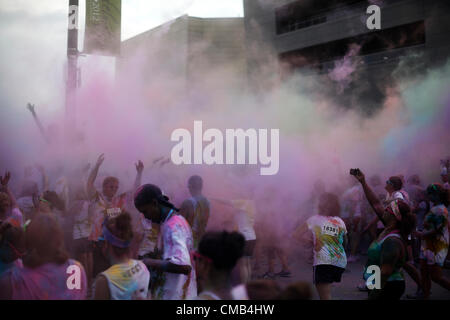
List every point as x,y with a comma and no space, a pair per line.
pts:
432,258
327,273
81,246
249,248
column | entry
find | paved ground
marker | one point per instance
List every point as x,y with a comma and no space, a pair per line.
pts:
346,290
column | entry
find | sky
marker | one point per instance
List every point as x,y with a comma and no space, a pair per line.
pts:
33,41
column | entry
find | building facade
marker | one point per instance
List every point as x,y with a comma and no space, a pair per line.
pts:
314,35
189,50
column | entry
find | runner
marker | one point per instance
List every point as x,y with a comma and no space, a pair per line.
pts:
329,236
435,240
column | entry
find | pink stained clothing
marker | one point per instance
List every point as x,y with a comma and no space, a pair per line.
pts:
176,243
48,282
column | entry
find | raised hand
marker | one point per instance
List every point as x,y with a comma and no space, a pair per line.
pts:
5,179
86,168
139,166
31,108
100,160
359,175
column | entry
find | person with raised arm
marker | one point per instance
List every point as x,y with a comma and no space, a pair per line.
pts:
388,252
106,204
9,211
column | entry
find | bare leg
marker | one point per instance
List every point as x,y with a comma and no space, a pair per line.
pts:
426,280
270,260
283,259
438,277
355,236
413,273
245,269
324,291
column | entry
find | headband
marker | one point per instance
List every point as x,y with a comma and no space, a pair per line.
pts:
115,241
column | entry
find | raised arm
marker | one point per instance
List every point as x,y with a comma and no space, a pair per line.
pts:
4,180
45,183
38,122
374,201
139,169
93,175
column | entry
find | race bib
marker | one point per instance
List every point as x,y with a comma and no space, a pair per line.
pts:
113,212
330,229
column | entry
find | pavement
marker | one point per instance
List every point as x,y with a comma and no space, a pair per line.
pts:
346,290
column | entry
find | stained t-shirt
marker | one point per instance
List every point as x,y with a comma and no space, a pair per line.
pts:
201,207
150,236
128,281
352,200
245,218
47,282
82,221
328,235
104,208
176,244
435,248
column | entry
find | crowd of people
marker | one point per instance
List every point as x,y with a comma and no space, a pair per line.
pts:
72,241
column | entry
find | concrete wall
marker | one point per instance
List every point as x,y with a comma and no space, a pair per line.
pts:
188,47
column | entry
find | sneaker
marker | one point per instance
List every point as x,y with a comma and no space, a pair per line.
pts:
284,274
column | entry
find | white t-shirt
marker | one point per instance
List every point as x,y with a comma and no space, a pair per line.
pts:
353,197
401,195
150,239
128,281
176,243
328,235
245,218
82,223
26,204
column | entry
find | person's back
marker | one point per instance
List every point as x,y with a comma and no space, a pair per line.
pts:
328,232
49,281
47,271
128,281
201,207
